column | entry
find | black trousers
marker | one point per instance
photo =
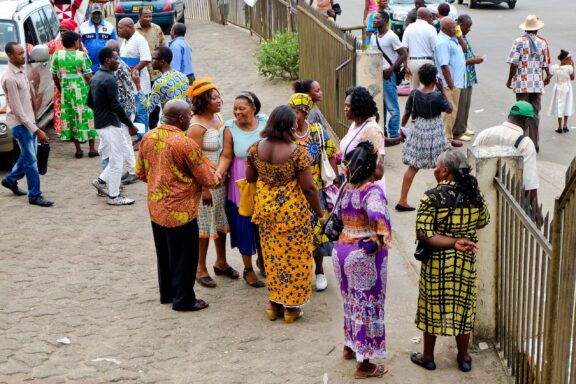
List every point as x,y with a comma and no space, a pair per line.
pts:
154,117
177,255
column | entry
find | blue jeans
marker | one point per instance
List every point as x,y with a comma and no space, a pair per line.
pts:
26,164
141,113
391,106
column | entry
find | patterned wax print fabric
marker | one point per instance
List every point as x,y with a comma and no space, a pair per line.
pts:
530,55
172,85
126,88
283,218
176,170
212,218
76,118
448,281
312,145
471,77
362,277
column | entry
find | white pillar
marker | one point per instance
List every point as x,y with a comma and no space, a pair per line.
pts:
486,162
369,76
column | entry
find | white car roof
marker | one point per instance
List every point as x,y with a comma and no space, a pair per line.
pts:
8,8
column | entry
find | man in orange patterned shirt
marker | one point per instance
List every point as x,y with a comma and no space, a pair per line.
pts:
176,170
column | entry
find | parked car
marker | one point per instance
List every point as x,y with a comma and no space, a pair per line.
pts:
474,3
400,8
164,12
32,24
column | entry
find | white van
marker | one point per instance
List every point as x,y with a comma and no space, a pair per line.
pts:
31,23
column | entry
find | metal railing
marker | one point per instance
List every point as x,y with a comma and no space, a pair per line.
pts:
559,351
524,257
537,284
328,56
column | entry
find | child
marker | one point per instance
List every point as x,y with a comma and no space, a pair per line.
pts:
562,98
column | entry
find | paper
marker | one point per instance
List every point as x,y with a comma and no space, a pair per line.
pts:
479,110
141,128
63,340
406,131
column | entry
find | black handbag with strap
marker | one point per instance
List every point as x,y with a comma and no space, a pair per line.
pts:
423,251
400,72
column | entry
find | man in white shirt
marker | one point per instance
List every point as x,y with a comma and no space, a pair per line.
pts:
394,54
420,41
136,53
513,133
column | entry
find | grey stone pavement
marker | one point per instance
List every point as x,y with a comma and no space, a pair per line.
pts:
86,271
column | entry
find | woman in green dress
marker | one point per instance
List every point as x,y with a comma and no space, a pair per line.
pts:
448,217
71,71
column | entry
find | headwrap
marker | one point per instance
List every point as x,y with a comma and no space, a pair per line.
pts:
302,101
69,24
200,86
361,162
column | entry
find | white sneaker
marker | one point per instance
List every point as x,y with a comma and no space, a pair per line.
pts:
321,282
470,132
464,138
120,200
100,187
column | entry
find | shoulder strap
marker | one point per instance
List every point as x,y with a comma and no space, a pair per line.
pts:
380,48
519,140
354,138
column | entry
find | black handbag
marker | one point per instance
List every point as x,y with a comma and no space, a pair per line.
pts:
42,157
423,251
334,226
400,72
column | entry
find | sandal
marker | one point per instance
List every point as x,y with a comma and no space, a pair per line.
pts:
274,311
416,358
206,281
229,272
378,371
79,155
92,154
348,354
257,283
292,318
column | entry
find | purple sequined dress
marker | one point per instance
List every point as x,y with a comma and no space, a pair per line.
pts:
362,277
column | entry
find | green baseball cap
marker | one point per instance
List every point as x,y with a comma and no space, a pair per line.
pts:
523,108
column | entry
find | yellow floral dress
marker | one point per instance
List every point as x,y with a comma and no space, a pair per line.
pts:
284,219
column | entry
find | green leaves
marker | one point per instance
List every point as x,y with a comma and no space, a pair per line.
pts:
278,58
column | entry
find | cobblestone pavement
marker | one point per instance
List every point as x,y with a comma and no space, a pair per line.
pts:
86,271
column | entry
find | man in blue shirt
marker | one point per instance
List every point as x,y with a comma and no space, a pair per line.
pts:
451,64
181,52
95,33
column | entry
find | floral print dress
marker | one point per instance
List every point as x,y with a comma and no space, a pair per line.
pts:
283,218
362,277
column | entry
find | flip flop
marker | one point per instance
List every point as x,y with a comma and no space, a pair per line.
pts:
348,355
198,306
415,358
206,281
229,272
378,371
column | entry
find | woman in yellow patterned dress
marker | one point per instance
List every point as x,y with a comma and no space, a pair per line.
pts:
285,193
448,217
307,135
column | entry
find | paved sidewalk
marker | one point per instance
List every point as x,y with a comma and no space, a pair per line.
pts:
87,271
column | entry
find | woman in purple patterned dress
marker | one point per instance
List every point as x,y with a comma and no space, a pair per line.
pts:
360,260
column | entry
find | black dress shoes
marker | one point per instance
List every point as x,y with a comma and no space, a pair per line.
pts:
40,201
14,188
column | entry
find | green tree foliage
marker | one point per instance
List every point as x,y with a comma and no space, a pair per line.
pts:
278,58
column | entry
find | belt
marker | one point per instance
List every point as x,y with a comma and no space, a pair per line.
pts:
421,58
71,76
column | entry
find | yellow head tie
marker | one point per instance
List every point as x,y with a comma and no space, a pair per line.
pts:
200,86
302,101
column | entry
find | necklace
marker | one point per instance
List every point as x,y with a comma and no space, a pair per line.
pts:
304,134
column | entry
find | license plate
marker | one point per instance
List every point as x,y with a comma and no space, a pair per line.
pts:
136,8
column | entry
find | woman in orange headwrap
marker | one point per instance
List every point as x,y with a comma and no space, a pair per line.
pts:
53,46
205,129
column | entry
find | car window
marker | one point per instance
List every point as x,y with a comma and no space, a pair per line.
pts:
52,20
8,33
41,25
30,32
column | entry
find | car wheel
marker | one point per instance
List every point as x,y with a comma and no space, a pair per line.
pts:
471,3
512,4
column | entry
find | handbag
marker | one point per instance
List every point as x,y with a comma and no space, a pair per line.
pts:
42,157
326,171
247,196
423,251
400,71
334,226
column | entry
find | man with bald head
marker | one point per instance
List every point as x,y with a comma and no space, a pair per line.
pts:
135,52
176,170
451,65
420,41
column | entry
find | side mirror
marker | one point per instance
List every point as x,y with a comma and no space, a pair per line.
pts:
39,54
